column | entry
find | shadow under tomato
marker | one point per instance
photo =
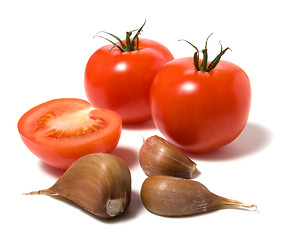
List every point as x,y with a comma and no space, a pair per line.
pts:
54,172
253,138
147,125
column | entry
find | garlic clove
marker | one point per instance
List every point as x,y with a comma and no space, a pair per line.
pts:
172,196
100,183
158,157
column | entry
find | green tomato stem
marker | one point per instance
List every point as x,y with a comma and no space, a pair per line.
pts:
131,44
204,67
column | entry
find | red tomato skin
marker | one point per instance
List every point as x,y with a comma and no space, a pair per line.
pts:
62,152
121,81
62,158
200,111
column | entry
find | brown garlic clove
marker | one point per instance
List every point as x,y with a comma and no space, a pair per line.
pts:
171,196
158,157
100,183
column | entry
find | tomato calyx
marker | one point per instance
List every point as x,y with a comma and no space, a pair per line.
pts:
204,67
131,44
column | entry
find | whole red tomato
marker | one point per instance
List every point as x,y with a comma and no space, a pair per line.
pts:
200,105
119,76
62,130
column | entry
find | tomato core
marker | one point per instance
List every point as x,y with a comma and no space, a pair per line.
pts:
70,124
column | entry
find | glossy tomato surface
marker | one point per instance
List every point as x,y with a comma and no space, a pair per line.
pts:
62,130
200,111
121,81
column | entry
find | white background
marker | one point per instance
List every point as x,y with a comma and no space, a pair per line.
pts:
44,47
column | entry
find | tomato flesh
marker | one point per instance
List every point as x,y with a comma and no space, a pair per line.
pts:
62,130
71,124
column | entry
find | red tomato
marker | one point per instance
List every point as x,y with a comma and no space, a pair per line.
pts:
199,111
62,130
121,81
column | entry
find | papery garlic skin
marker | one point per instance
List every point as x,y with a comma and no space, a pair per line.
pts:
172,196
100,183
158,157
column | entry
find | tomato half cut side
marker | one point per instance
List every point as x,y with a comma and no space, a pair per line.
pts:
62,130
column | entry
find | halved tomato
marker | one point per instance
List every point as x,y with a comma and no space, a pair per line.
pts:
62,130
